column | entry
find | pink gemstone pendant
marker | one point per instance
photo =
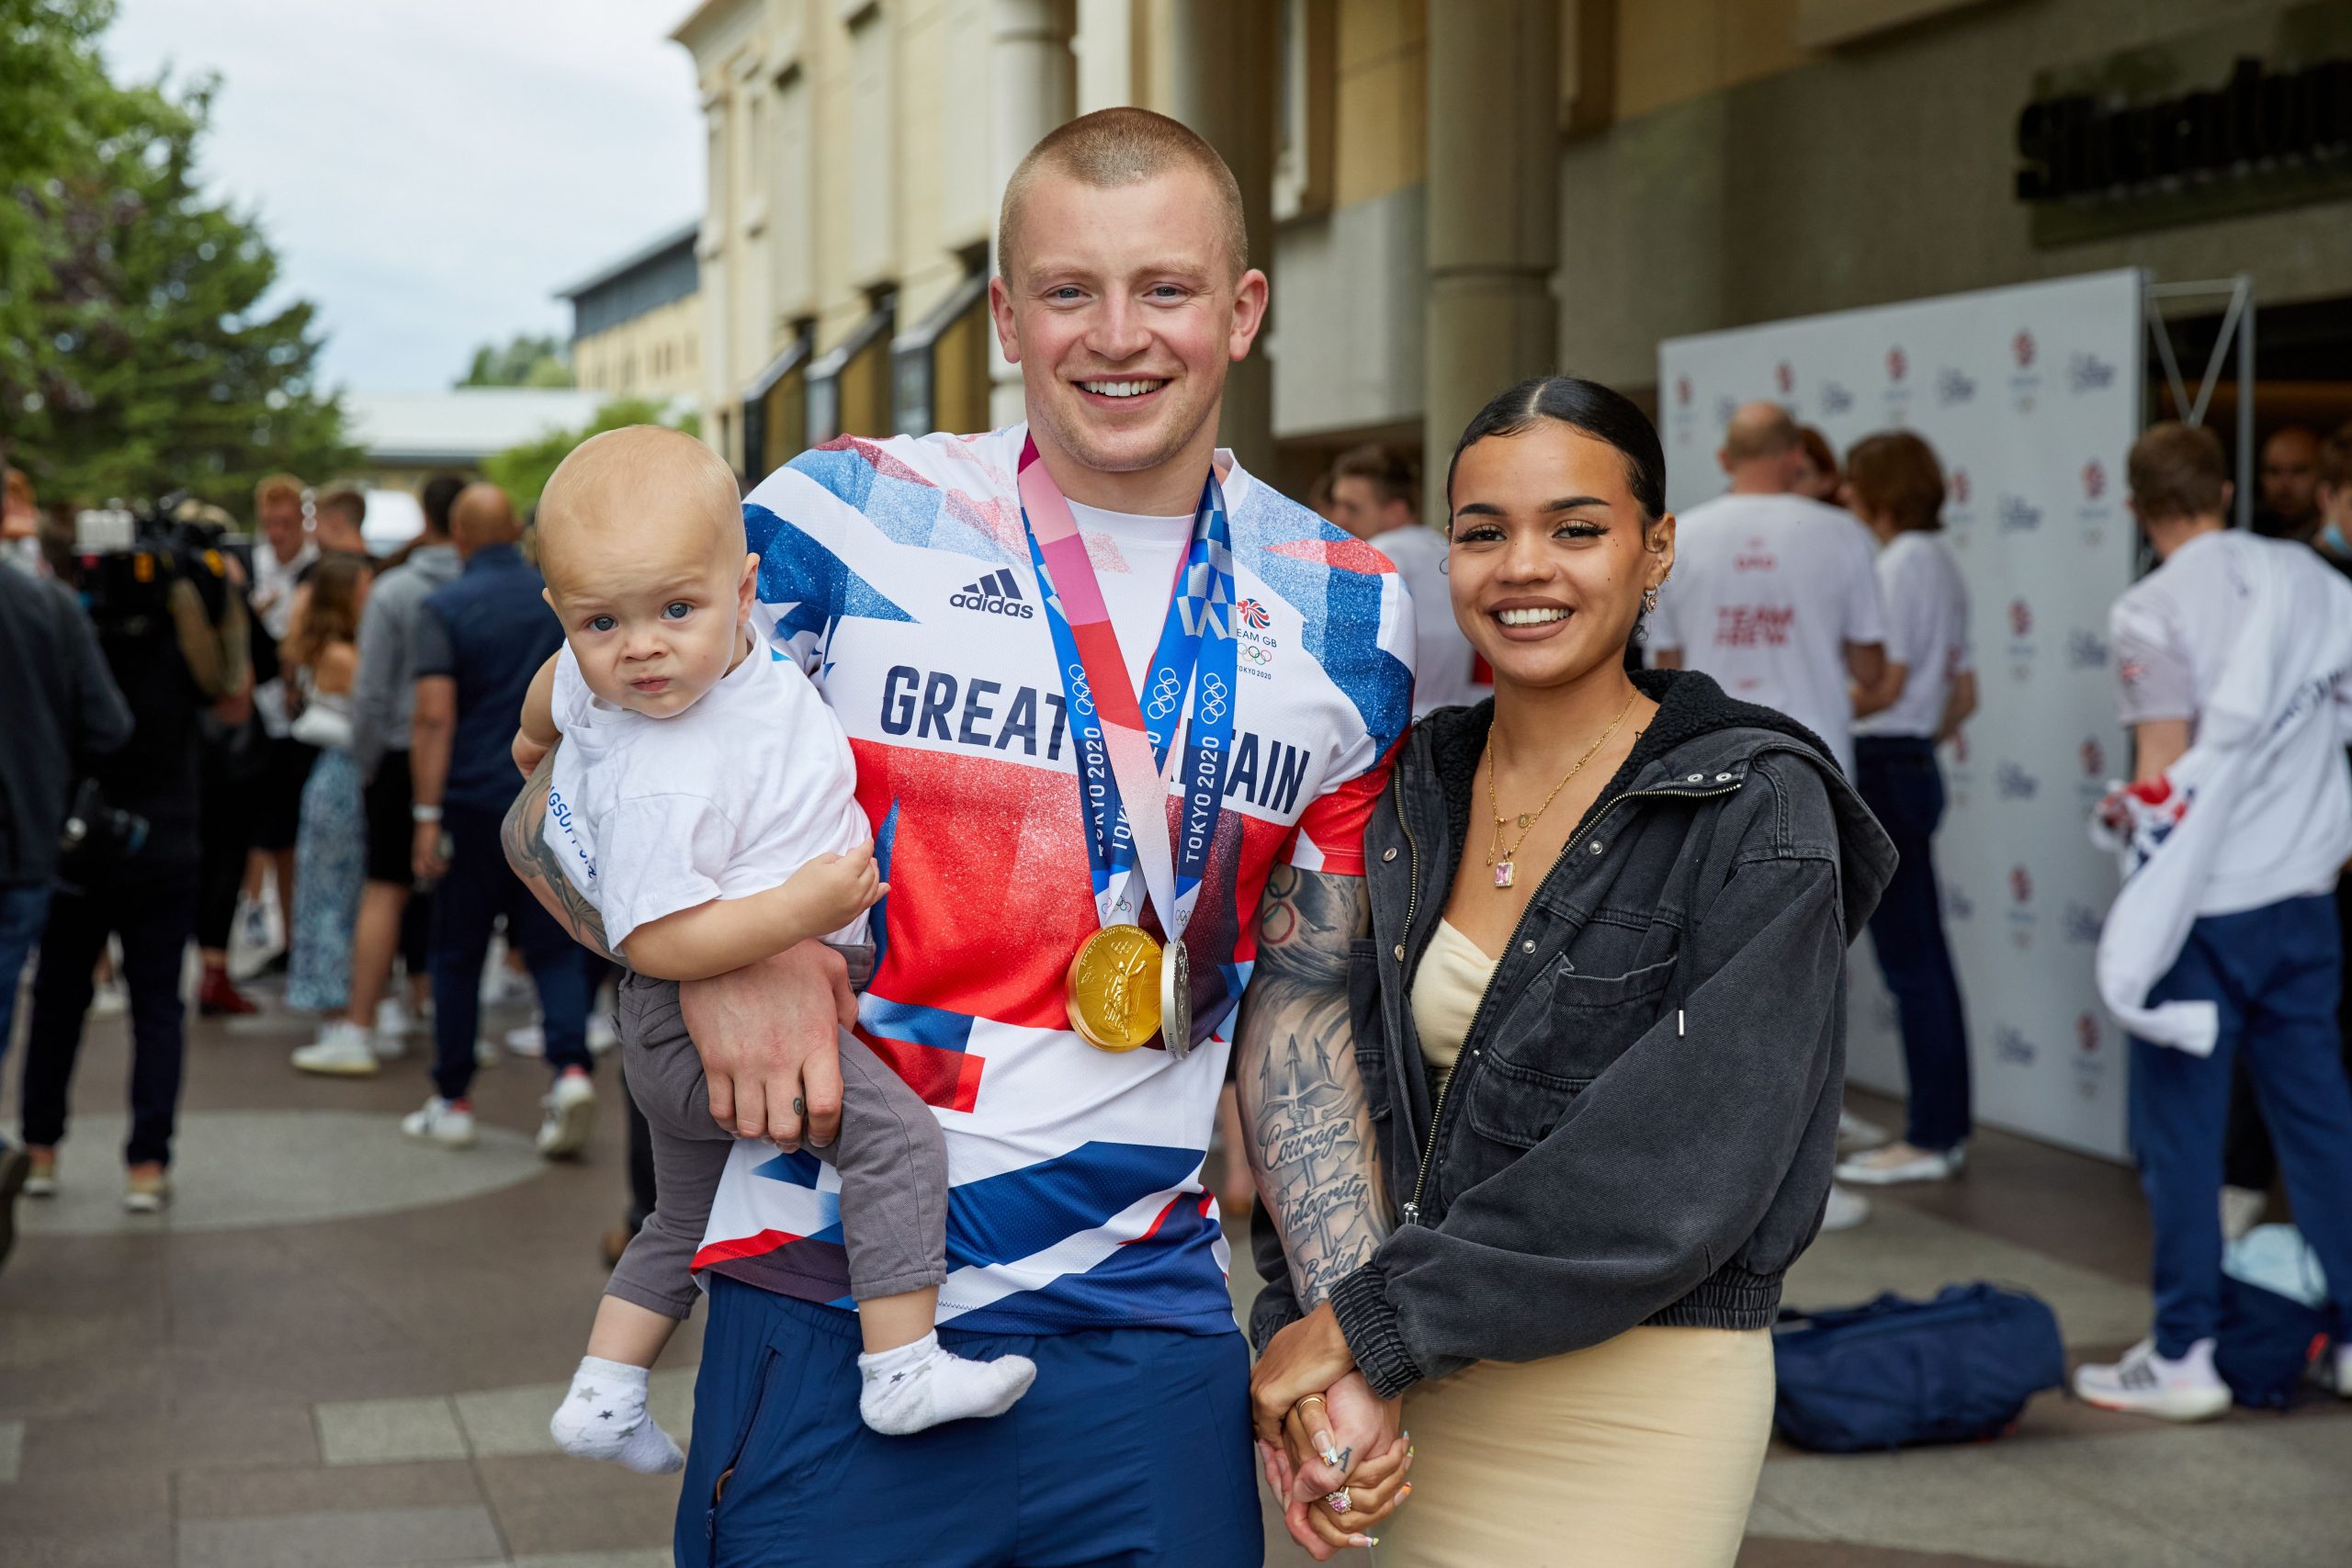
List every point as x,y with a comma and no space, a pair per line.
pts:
1503,871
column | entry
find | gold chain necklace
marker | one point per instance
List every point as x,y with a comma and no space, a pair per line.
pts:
1505,861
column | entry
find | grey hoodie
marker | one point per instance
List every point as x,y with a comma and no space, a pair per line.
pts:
1643,1118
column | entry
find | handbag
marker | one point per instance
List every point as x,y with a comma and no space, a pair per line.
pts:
1894,1372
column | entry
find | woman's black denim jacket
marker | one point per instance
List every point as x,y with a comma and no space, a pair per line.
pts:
1643,1118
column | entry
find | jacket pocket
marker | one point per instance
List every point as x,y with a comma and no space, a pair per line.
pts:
1365,1025
1572,1028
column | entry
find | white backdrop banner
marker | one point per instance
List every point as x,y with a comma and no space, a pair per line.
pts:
2031,397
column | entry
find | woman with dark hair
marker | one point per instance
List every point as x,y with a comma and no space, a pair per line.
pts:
1896,486
1818,474
1602,1028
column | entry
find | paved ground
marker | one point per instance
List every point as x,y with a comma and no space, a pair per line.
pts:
339,1349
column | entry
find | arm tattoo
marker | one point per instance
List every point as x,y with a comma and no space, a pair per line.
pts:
541,869
1303,1102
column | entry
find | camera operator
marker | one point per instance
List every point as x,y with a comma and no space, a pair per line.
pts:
171,628
58,709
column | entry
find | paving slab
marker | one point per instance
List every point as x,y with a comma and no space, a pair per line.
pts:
240,1169
225,1493
383,1537
380,1431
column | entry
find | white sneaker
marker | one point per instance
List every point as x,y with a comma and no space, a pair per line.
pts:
109,999
530,1040
342,1050
570,1116
1854,1133
1845,1210
394,1022
602,1036
2144,1383
1900,1162
443,1121
388,1047
2242,1210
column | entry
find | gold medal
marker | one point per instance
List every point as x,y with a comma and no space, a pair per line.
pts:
1113,990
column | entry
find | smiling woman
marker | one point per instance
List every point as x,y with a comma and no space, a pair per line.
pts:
1600,1028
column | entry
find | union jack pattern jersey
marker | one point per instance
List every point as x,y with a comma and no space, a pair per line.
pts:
898,574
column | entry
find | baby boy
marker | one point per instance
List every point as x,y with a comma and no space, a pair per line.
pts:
703,799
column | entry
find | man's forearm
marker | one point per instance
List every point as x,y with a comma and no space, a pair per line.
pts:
1303,1109
541,869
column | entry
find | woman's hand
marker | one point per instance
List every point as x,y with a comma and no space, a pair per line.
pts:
1343,1442
1305,1359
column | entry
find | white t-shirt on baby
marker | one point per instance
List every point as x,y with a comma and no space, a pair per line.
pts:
728,799
1767,590
1927,632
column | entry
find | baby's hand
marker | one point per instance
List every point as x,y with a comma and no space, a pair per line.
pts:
838,888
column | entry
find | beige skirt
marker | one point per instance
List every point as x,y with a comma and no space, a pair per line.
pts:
1642,1452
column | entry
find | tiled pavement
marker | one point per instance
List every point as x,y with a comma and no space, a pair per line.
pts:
340,1350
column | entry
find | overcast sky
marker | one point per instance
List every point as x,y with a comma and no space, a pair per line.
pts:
430,170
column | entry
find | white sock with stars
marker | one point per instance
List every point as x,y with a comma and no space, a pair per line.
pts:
924,1384
603,1416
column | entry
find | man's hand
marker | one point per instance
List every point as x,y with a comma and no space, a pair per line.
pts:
424,855
766,1032
1343,1441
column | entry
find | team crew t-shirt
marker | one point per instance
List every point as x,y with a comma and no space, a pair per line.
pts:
2290,825
897,573
1768,591
1927,632
728,799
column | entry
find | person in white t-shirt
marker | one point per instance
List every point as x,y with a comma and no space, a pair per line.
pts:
1775,595
1376,494
704,802
1897,487
2261,957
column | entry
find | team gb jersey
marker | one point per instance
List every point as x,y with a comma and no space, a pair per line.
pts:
897,572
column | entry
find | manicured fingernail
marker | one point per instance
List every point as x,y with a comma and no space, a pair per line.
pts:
1406,1491
1363,1541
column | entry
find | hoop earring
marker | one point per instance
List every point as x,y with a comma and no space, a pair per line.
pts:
1445,566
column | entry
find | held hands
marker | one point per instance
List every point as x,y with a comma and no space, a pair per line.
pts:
836,890
1321,1431
1341,1467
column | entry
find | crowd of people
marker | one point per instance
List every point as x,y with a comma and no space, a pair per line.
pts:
281,750
1518,939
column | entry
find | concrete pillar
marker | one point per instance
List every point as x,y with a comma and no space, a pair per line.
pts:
1224,60
1493,198
1033,85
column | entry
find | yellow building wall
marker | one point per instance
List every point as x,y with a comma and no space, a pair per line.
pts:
1381,113
1669,51
657,354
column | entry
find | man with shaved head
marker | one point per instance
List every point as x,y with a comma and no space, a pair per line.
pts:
1119,713
478,640
1774,595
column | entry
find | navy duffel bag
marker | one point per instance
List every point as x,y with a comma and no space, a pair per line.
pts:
1895,1372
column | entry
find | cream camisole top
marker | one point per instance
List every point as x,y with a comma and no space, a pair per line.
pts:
1446,992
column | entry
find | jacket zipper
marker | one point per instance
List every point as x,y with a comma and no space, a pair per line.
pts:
1412,1210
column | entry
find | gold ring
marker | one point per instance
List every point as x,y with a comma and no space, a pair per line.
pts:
1313,1399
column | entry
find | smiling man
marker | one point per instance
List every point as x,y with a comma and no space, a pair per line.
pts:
1105,689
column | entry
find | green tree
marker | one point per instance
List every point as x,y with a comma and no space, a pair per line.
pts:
526,362
522,471
151,362
55,94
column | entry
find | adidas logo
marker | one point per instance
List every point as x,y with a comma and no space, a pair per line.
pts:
998,593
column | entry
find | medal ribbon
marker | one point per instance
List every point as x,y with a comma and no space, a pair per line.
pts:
1123,741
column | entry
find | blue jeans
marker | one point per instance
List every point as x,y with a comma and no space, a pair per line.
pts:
2274,974
1132,1450
468,900
23,906
1903,788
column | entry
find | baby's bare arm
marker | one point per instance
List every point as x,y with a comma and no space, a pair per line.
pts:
537,735
727,933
